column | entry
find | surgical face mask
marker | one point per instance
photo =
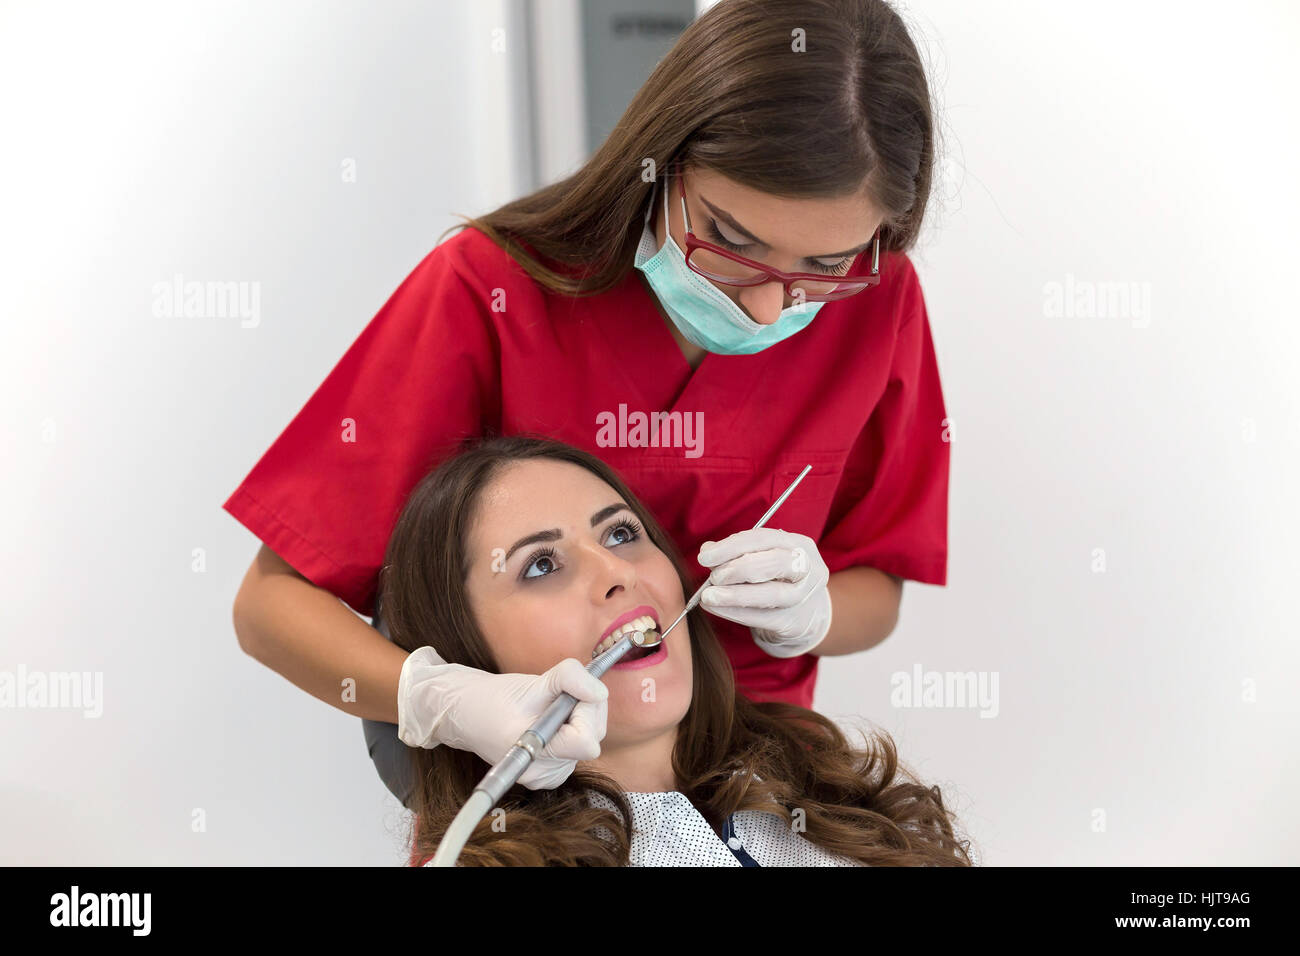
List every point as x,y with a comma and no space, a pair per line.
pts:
702,312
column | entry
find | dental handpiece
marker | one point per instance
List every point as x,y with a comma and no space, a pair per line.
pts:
532,741
511,767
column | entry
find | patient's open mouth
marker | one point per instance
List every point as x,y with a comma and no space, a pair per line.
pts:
639,657
642,622
636,653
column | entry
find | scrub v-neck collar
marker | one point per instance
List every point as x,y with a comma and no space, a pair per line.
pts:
656,369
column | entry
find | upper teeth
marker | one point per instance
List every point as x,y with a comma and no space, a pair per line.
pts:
644,623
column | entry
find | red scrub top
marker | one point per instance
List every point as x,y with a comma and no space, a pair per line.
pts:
469,340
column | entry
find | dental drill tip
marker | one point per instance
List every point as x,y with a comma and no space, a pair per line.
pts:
650,637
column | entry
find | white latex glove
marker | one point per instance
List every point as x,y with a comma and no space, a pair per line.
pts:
774,582
471,709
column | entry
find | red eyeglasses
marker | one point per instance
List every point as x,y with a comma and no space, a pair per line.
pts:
723,265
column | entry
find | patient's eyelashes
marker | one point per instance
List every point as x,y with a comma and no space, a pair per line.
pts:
632,528
544,558
541,555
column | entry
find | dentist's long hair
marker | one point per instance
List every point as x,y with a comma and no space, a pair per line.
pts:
858,803
810,100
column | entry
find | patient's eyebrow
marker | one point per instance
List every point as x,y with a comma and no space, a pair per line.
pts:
607,512
730,221
554,534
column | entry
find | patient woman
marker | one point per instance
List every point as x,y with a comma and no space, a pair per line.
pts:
689,772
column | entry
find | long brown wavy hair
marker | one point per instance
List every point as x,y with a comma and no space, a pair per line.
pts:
856,803
736,95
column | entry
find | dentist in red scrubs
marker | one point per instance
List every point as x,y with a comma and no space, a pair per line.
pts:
760,301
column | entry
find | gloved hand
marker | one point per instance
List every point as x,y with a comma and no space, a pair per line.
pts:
774,582
471,709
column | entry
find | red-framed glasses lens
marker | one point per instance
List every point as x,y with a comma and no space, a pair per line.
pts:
725,266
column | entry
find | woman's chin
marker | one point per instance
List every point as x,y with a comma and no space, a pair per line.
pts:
645,700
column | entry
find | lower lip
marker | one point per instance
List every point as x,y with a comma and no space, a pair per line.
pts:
648,661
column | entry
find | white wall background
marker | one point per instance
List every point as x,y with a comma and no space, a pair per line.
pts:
1136,143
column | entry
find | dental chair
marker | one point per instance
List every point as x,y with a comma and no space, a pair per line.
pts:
392,757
